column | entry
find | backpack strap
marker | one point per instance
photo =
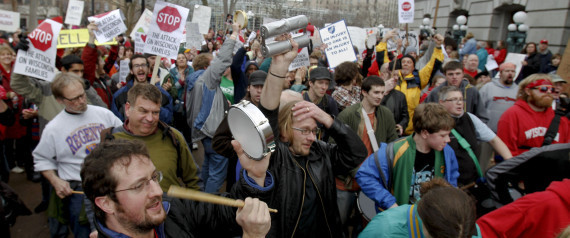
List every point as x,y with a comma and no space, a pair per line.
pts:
552,130
465,145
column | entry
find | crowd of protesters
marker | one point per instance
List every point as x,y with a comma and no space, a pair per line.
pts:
414,129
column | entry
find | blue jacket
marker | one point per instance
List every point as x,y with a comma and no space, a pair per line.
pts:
371,183
120,98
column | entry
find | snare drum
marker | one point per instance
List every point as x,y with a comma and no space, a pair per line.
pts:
366,207
251,129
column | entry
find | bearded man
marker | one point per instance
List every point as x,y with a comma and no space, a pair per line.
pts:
524,125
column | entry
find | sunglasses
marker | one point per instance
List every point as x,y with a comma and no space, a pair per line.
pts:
545,89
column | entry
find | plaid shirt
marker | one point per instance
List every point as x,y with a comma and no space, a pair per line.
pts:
346,98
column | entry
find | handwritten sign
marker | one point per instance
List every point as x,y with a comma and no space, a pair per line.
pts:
405,11
193,36
165,34
74,12
124,70
358,37
140,40
301,60
339,46
77,38
109,24
9,21
202,15
143,23
39,60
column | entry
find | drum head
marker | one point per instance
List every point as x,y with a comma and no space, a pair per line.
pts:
366,206
246,133
240,18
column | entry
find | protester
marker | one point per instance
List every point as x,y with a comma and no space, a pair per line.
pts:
482,55
471,66
545,56
345,93
470,45
531,64
394,100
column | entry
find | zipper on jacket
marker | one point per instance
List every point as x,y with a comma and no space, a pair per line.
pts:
303,200
320,198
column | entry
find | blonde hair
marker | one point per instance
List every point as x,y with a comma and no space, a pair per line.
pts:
528,80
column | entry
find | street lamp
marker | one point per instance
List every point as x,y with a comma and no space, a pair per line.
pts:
459,29
516,36
425,28
251,15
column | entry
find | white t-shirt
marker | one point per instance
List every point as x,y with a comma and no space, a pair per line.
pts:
68,138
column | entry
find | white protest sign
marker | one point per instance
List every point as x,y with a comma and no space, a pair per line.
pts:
9,21
193,36
358,37
124,70
74,12
413,39
109,25
143,23
491,63
516,59
405,11
39,60
301,60
140,40
202,15
165,33
339,46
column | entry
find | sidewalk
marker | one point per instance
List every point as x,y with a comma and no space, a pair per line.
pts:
35,225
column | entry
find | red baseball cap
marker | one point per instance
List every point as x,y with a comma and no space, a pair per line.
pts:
544,41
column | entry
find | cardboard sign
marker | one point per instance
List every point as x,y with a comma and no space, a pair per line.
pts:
358,37
109,24
405,11
9,21
143,23
77,38
140,40
165,33
564,66
202,15
74,12
516,59
339,46
124,70
39,60
301,60
193,36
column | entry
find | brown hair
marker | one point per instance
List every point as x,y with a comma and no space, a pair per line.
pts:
6,48
345,73
526,81
523,51
97,179
442,93
201,61
146,91
446,212
431,117
63,80
286,120
452,65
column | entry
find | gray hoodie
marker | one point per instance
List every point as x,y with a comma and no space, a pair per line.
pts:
495,98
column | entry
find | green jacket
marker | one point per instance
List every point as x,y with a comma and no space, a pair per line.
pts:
384,127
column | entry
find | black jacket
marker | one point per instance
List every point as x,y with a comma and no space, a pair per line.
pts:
396,102
324,162
532,67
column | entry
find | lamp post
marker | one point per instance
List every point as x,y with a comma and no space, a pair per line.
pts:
516,36
251,15
425,29
460,29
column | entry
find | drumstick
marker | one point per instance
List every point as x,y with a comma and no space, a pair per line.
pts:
77,192
185,193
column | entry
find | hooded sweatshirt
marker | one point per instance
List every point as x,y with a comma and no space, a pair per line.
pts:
540,214
495,98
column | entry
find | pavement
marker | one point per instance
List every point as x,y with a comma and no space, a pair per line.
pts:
35,225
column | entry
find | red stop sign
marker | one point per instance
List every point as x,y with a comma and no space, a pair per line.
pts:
42,36
406,6
168,19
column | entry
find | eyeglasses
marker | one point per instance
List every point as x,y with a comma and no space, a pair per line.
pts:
143,186
544,89
455,100
75,99
306,132
140,66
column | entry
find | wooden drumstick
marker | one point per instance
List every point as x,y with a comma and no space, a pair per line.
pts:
185,193
77,192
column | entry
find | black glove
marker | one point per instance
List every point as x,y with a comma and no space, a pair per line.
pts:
23,44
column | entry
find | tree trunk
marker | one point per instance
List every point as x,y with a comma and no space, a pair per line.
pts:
15,5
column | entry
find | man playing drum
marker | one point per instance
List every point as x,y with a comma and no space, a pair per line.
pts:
304,168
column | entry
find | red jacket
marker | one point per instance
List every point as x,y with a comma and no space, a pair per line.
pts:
90,60
500,56
17,130
520,126
540,214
